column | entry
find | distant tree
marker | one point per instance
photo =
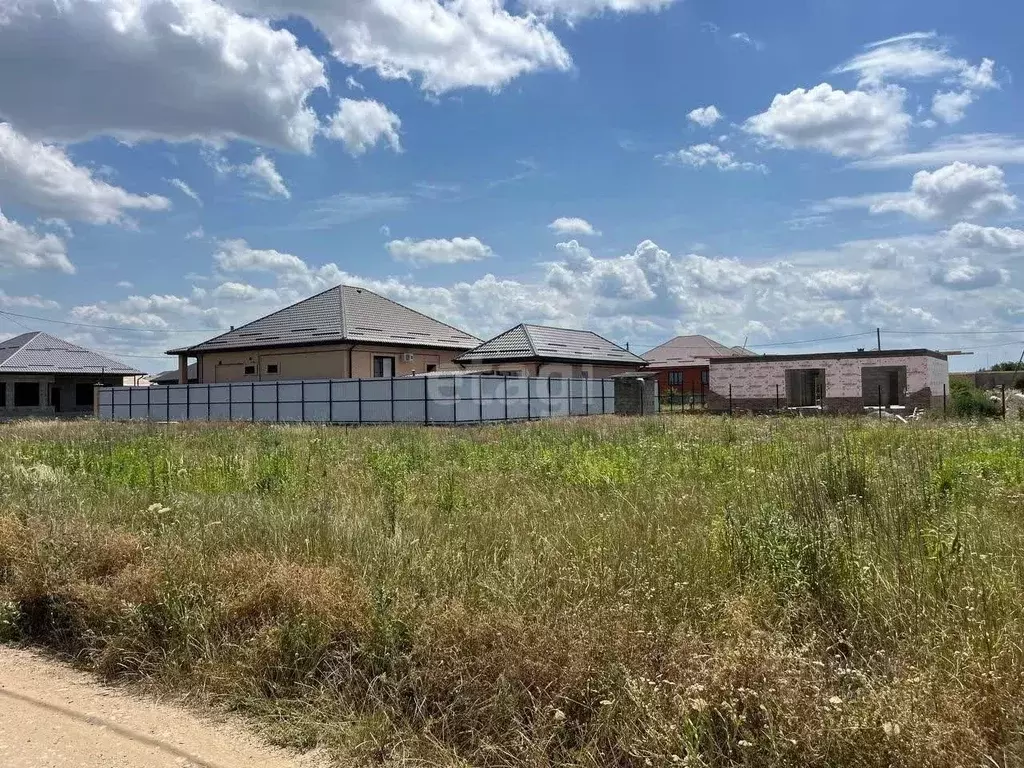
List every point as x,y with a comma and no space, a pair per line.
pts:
1010,365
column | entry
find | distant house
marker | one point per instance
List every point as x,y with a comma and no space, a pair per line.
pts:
41,375
537,350
171,377
830,381
683,364
344,332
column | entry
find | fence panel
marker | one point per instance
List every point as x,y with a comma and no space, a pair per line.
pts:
413,400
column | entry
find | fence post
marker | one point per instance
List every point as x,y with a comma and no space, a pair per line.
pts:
330,401
426,403
391,390
643,397
529,399
879,402
277,402
188,403
252,401
1003,388
943,401
231,401
730,399
549,397
302,400
359,400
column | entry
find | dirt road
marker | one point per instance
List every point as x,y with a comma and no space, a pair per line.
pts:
51,715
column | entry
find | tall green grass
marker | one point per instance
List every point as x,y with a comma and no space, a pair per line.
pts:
683,590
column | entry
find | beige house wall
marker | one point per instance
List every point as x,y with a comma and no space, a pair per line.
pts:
316,362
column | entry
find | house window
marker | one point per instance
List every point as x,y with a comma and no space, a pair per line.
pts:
885,385
3,394
675,379
805,387
250,370
431,367
83,395
383,367
704,377
26,394
272,368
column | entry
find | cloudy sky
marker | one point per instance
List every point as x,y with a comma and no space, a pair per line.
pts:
792,175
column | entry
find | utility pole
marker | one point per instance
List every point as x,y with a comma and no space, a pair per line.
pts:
878,333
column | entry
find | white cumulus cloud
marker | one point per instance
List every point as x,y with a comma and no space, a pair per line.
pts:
360,125
438,251
705,116
263,170
446,45
44,177
830,120
950,106
572,225
177,70
24,248
955,191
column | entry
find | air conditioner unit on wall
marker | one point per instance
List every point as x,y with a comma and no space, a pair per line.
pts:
408,357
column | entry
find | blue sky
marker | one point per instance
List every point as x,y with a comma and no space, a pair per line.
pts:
783,174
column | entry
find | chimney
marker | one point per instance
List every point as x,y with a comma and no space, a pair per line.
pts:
232,327
627,346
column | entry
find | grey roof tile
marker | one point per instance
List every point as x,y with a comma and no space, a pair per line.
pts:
38,352
344,313
540,342
688,350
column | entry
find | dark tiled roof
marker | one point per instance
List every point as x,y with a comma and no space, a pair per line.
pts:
341,314
690,350
539,342
38,352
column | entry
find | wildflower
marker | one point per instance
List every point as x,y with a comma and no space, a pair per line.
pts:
891,729
744,743
835,701
559,715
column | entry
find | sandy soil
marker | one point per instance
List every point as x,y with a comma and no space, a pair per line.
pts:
52,715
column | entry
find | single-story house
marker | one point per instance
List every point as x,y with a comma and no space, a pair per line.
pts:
832,381
164,378
682,364
41,375
344,332
537,350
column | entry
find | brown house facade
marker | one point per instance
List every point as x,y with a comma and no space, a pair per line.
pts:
683,365
344,332
538,350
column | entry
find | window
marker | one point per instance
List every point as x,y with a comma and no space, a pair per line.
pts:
704,377
383,367
26,394
3,394
431,367
83,394
675,379
250,370
272,368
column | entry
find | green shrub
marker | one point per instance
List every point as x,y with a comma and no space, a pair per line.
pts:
969,401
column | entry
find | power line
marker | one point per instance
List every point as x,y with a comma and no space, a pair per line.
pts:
814,341
5,313
952,333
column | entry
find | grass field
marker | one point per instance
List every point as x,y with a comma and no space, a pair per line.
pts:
606,592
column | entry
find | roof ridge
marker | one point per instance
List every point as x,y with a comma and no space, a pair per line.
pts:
258,319
614,344
408,309
32,336
529,336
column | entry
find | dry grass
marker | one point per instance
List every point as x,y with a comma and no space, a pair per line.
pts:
607,592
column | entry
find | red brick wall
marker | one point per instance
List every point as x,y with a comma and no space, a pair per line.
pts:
691,379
